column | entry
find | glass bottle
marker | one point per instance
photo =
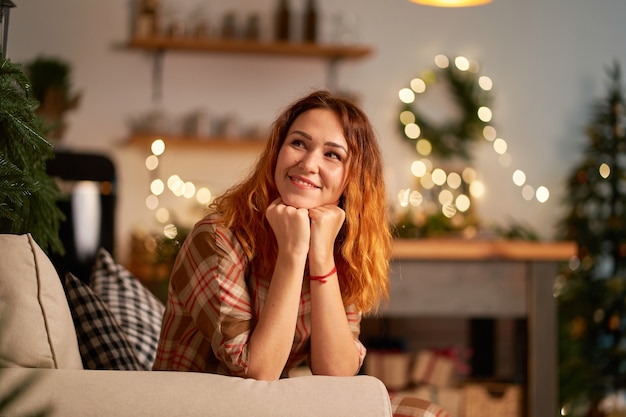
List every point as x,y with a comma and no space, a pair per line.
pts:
281,32
229,26
253,27
310,22
147,23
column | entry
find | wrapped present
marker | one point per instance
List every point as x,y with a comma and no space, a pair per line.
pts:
492,399
433,369
391,367
450,399
460,356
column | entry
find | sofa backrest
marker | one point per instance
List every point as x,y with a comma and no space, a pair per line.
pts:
36,328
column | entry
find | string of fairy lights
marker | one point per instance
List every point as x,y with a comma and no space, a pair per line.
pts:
174,184
458,187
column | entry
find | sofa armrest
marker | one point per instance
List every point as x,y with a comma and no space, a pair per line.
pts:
83,393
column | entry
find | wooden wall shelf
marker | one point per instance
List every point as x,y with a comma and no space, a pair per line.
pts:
188,142
314,50
332,53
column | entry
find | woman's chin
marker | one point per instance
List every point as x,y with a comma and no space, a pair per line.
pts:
299,203
304,203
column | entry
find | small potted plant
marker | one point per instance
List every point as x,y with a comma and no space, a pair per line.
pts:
50,80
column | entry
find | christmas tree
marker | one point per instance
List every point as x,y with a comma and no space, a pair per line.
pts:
28,195
592,290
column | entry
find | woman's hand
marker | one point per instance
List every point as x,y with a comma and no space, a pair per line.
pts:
326,222
291,227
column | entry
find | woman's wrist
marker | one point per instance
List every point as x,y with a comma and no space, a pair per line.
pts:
292,261
320,262
323,278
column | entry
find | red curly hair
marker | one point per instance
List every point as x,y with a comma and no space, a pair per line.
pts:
363,244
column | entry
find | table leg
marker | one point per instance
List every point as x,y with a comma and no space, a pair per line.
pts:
542,340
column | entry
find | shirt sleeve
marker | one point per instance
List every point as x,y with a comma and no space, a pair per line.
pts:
216,295
354,321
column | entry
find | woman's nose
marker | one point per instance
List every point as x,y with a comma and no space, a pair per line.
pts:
309,162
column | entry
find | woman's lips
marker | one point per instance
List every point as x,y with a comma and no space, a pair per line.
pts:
302,182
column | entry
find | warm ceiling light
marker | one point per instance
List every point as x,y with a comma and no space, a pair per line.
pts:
451,3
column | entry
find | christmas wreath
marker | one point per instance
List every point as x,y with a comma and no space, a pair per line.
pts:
471,94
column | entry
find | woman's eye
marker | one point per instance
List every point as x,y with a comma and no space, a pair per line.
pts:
297,143
334,155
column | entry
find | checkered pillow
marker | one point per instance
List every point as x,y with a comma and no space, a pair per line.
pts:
101,340
137,310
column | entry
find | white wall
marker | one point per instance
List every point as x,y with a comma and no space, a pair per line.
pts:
546,59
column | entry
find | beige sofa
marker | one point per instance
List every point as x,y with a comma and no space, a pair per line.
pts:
38,339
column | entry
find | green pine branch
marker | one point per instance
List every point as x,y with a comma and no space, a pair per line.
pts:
28,196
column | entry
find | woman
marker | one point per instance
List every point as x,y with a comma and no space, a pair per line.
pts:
285,263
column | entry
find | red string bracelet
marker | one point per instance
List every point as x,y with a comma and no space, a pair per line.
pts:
322,278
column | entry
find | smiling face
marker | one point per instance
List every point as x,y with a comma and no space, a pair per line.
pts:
312,164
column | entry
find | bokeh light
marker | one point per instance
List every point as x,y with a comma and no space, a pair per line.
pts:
519,177
462,202
426,181
542,194
170,231
157,187
204,196
407,117
462,63
416,198
442,61
528,192
485,114
189,190
489,133
439,176
162,215
152,202
412,131
418,85
605,170
158,147
454,180
500,146
424,147
485,83
477,189
407,95
152,162
445,197
418,168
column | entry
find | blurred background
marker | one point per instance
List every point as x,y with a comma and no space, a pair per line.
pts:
546,60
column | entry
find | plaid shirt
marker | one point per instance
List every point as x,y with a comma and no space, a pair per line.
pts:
214,300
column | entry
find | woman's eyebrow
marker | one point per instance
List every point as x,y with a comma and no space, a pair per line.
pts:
300,132
329,143
336,145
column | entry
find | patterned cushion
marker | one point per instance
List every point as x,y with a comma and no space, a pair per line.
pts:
101,340
136,309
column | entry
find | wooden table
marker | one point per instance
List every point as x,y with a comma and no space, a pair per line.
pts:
487,278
